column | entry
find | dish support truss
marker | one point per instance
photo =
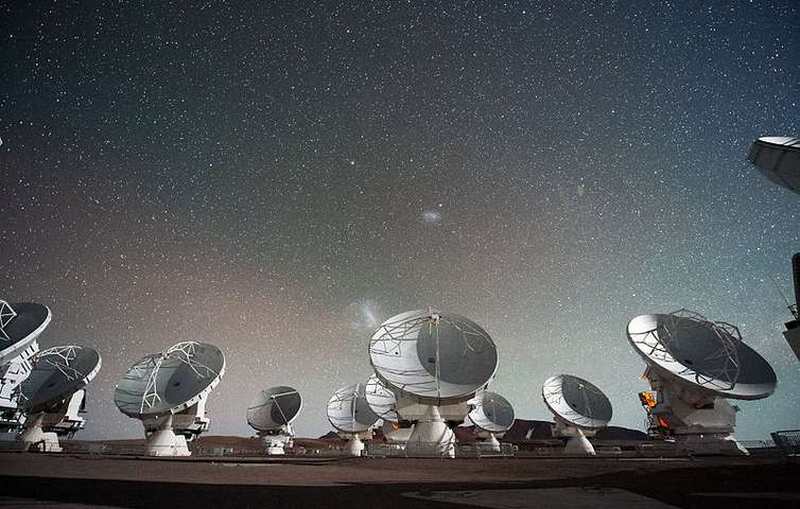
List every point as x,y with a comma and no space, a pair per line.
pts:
274,397
722,365
64,355
184,352
7,314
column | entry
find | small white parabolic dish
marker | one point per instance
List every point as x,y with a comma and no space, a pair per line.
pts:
492,412
348,410
274,408
576,402
381,399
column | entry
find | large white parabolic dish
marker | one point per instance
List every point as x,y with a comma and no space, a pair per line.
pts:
492,412
434,356
171,381
708,355
22,328
274,408
348,410
58,373
576,402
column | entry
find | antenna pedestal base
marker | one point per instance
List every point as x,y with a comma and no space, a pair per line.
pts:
36,438
394,433
576,441
711,444
42,442
193,421
431,437
164,442
489,444
276,444
354,446
275,450
579,445
700,423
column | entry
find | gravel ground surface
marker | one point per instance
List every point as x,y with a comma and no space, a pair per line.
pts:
392,482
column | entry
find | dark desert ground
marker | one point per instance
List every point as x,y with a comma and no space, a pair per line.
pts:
79,480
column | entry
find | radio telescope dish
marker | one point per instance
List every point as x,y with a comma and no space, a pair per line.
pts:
709,355
778,157
577,402
21,324
580,409
271,414
168,391
274,408
433,356
693,364
348,410
171,381
381,400
53,394
350,414
492,413
57,373
492,416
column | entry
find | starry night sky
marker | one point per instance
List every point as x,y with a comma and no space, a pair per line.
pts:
276,178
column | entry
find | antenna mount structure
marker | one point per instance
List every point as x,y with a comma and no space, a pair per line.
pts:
693,367
492,415
167,391
579,409
433,362
351,415
21,323
54,395
271,414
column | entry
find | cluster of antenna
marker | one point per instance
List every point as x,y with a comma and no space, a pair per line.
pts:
432,372
43,392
